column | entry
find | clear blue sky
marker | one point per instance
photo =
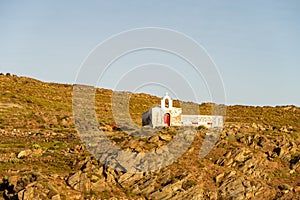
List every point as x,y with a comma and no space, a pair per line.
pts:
255,44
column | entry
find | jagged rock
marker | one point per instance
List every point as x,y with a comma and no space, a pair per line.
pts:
186,185
8,195
52,191
241,155
154,139
286,194
284,129
79,181
230,158
196,193
225,162
109,175
13,180
165,193
77,149
135,144
128,179
27,194
238,187
249,166
228,154
165,137
212,195
262,141
20,194
255,126
99,184
74,179
56,197
285,187
261,127
295,162
146,187
219,177
174,188
232,188
24,153
297,189
165,177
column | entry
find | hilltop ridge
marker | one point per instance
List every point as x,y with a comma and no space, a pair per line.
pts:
42,156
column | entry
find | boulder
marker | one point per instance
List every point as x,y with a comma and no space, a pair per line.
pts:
24,153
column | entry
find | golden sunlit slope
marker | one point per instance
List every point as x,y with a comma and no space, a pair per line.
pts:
27,103
257,155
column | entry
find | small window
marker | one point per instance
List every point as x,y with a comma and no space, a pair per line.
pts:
167,103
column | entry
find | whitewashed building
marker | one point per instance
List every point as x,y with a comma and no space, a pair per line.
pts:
167,115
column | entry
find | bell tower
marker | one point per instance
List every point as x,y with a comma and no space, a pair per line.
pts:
166,102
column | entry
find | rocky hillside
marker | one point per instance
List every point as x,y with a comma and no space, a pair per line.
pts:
42,157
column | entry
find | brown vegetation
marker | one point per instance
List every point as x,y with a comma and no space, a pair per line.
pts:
41,154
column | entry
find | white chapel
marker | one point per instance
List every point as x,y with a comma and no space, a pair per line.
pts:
167,115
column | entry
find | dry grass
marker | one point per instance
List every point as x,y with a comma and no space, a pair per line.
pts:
40,109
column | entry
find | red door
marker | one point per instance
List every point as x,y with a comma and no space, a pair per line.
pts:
167,119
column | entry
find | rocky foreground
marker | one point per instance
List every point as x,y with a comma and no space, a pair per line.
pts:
42,156
249,162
